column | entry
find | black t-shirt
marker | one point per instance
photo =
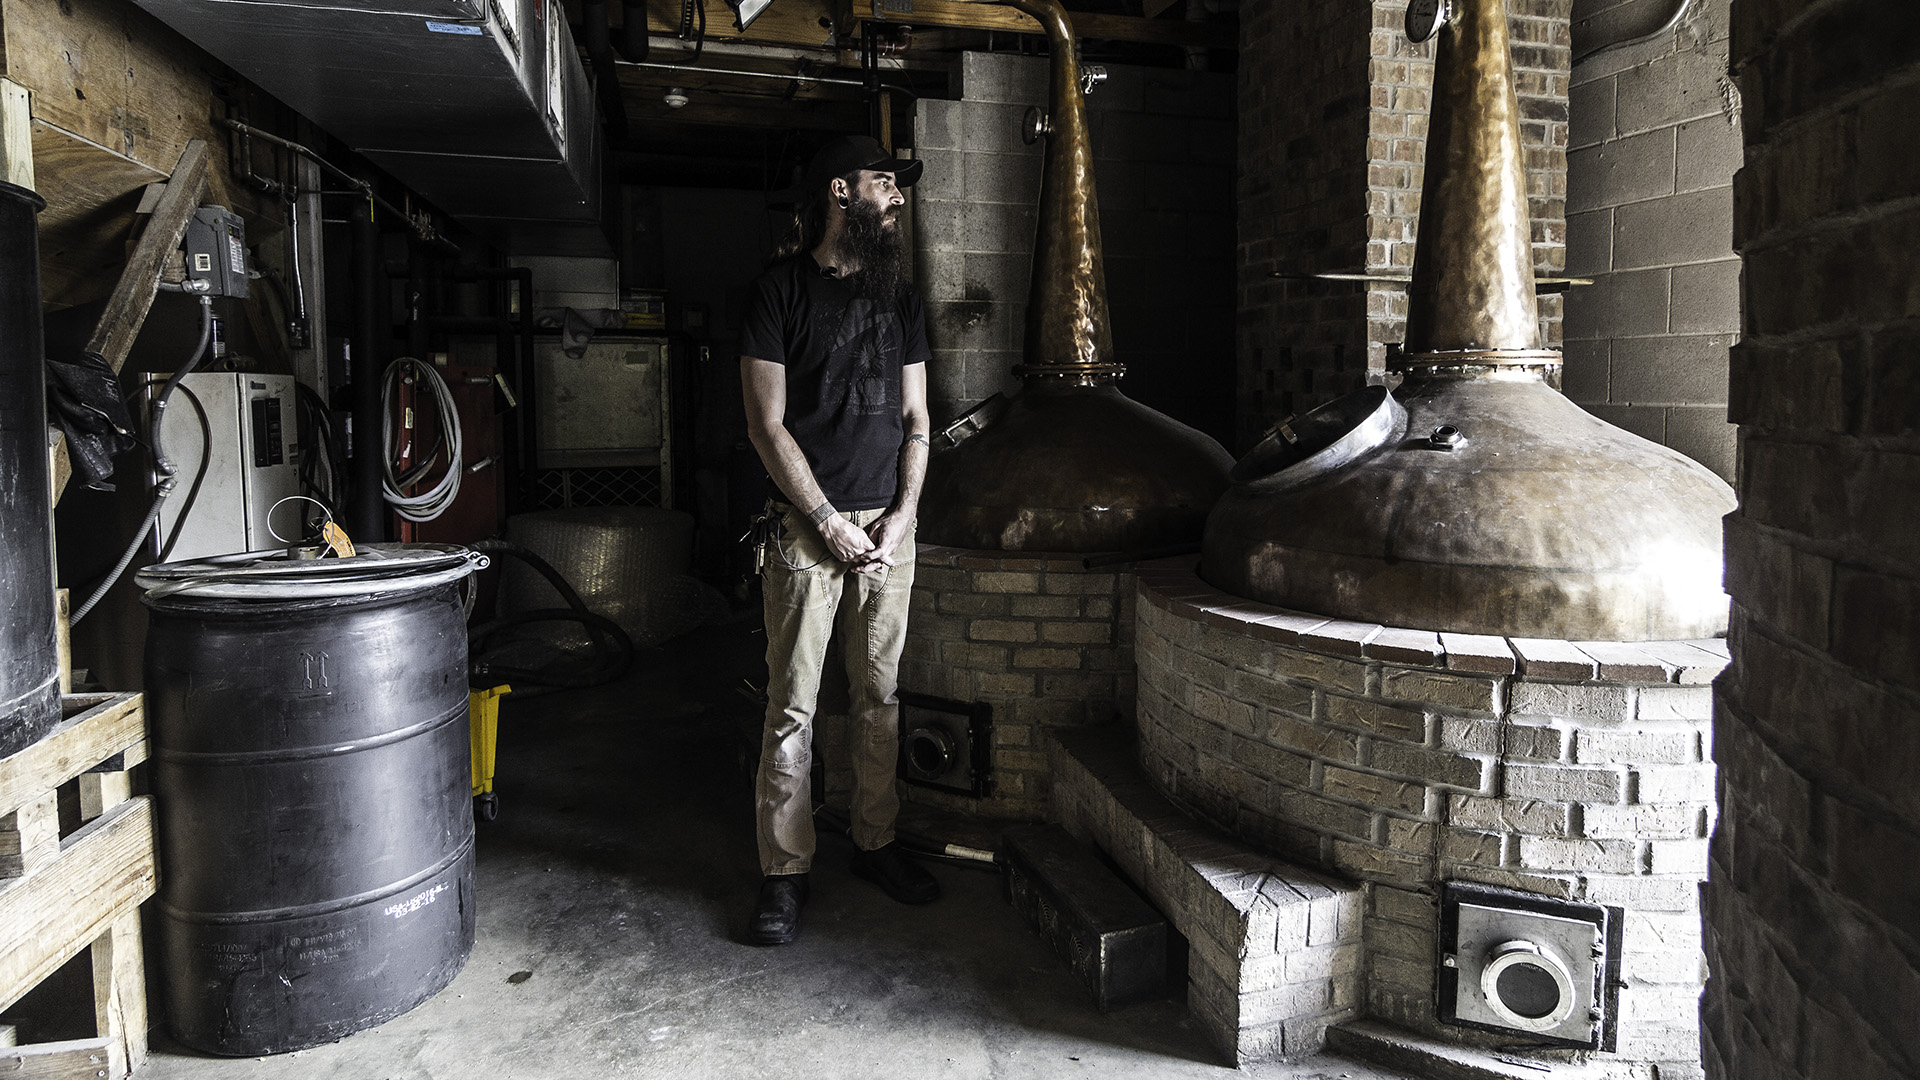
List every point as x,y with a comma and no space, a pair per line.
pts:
843,356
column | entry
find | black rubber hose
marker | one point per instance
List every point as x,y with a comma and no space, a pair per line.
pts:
608,638
633,41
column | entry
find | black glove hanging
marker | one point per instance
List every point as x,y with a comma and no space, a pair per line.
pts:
84,402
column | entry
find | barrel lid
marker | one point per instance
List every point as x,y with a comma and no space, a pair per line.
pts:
275,575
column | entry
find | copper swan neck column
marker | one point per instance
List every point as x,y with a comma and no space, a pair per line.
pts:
1068,335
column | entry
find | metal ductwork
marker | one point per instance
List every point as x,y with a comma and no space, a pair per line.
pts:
1070,463
1475,498
481,106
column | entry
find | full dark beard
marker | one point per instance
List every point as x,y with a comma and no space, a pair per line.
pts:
877,246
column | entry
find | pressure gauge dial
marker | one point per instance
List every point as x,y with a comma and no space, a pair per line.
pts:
1424,17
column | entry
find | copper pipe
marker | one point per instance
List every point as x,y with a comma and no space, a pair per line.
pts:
1472,290
1067,335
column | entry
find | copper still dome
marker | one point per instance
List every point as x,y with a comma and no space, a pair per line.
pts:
1475,498
1070,463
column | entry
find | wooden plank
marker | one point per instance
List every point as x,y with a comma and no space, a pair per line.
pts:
102,791
113,723
977,15
120,993
127,308
105,870
91,210
30,836
63,641
76,1059
16,134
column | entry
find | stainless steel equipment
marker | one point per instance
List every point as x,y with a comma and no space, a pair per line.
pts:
1070,464
235,449
1494,505
480,105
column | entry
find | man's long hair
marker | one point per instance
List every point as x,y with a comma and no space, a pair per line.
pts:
810,220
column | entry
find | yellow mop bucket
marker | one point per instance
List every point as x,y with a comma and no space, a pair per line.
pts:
483,724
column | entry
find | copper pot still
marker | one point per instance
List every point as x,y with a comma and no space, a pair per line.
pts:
1475,498
1069,463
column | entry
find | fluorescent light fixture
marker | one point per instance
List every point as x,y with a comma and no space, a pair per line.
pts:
745,11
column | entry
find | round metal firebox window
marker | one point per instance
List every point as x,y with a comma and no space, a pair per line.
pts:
929,753
1527,986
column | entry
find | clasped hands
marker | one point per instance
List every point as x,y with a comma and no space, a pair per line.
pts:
869,550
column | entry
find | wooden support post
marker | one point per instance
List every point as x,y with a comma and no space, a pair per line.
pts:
119,993
126,310
63,641
16,134
30,836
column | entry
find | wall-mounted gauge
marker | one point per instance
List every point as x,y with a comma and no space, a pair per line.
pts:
1425,17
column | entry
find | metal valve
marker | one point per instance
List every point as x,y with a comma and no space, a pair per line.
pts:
1447,437
1092,75
1036,124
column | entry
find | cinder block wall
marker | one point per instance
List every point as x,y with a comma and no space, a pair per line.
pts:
1813,905
1163,145
1334,101
1655,140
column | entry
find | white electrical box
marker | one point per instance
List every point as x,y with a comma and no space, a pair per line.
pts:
244,430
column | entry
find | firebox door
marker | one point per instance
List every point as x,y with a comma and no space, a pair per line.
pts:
1530,966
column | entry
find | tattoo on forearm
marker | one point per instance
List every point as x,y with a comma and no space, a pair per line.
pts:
820,513
916,437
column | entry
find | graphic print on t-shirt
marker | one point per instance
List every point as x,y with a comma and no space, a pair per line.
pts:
867,337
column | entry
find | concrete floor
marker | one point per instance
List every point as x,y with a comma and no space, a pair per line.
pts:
613,892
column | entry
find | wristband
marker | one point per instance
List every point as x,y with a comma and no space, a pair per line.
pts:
820,513
916,437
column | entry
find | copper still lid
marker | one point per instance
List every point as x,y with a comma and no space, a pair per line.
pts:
1071,463
1495,505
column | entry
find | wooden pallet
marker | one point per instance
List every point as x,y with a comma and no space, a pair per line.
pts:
59,895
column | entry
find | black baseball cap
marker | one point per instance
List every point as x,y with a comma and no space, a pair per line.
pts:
851,152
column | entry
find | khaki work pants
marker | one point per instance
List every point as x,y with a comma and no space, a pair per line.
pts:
804,588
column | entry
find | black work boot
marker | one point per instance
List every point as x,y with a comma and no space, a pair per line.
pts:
898,876
776,914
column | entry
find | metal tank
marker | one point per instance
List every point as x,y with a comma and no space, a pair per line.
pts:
29,656
1070,463
312,788
1475,498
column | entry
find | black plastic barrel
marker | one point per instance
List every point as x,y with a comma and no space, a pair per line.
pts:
29,656
313,789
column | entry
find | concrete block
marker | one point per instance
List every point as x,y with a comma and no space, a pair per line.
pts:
1567,783
1377,791
1445,691
1549,658
1539,817
1626,170
1624,304
1603,746
1673,784
1325,672
1553,853
1481,653
1585,703
1690,228
1706,298
1644,893
1436,767
1375,718
1678,857
1666,821
1670,370
1291,733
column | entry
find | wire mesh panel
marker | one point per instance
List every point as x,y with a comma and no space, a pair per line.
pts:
566,489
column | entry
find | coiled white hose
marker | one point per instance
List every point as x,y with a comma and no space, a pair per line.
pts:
434,501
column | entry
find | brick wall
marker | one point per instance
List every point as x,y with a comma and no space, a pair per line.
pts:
1040,638
1654,145
1163,144
1813,913
1334,100
1403,758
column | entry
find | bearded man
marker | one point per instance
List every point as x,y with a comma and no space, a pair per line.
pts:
833,362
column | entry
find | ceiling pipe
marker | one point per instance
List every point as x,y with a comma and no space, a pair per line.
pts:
633,42
606,78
